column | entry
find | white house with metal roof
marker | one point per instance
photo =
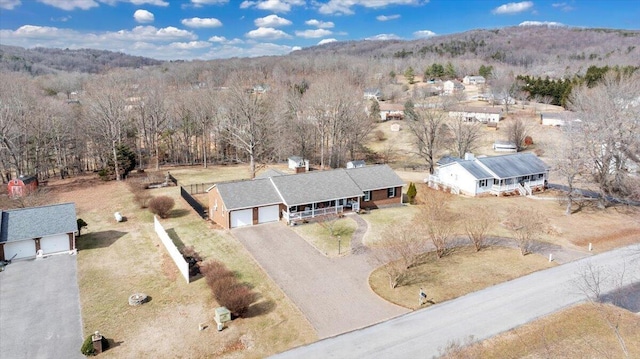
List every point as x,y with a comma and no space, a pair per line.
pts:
519,173
48,229
294,197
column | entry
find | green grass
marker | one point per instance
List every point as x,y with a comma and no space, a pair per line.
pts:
320,237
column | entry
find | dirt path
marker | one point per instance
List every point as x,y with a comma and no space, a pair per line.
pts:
333,293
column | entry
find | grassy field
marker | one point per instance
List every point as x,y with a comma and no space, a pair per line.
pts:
319,236
116,260
577,332
464,271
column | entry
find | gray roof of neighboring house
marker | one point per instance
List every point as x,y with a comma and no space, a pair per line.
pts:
448,159
517,164
249,193
475,169
316,186
36,222
374,177
270,173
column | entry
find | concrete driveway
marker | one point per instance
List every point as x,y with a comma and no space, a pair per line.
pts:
40,309
333,293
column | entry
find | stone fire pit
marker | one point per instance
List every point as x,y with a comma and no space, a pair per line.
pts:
137,299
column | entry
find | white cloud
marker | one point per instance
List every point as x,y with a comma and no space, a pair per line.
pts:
320,24
313,34
387,17
9,4
344,6
200,3
61,19
71,4
143,16
513,8
422,34
326,41
563,6
254,50
382,37
143,2
201,23
272,5
218,39
542,23
267,33
190,45
271,21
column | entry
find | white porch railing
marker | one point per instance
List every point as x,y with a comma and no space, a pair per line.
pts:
311,213
522,189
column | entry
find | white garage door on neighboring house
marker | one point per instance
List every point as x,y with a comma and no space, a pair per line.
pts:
21,249
268,214
54,244
242,218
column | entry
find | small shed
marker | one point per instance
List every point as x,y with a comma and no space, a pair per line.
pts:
22,186
504,146
356,164
298,164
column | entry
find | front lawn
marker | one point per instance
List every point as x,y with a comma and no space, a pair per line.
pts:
319,235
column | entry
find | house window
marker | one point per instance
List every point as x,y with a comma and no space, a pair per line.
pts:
293,209
391,192
541,175
482,183
367,196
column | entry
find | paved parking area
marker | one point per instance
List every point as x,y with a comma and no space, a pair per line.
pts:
333,293
40,309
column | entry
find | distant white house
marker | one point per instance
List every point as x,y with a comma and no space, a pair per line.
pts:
372,94
480,114
474,80
356,164
558,118
519,173
297,164
391,111
452,86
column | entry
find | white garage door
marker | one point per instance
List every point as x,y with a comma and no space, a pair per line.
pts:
268,214
54,244
242,218
21,249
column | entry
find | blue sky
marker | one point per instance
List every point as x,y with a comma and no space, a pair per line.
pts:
209,29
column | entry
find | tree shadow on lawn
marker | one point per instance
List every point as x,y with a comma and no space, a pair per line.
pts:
101,239
260,308
177,213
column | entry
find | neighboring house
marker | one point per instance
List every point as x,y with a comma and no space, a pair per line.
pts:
504,146
520,173
22,186
391,111
452,86
260,89
26,231
480,114
297,197
298,164
372,94
558,118
474,80
356,164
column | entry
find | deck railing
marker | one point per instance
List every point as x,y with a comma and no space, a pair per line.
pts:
294,216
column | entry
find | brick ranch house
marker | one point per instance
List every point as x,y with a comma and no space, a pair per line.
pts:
294,197
49,229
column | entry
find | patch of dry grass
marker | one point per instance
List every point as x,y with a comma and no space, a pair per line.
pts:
461,272
116,260
379,219
319,236
577,332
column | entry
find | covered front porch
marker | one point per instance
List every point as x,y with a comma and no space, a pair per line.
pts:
524,185
307,211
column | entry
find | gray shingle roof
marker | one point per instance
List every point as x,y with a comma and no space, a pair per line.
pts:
374,177
270,173
36,222
517,164
246,194
316,186
476,170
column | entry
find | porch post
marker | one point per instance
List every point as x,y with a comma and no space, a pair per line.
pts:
313,210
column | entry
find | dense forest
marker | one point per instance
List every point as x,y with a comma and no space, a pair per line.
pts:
64,112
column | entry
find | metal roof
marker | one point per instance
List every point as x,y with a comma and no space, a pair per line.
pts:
514,165
248,193
374,177
36,222
475,169
316,186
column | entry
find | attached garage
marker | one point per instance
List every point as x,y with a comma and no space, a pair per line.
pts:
54,244
269,214
242,218
20,249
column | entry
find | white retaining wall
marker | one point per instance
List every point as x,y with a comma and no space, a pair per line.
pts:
175,254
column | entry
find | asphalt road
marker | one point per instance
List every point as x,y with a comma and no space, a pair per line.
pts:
480,315
40,309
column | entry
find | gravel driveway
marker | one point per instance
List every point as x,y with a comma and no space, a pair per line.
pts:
40,309
333,293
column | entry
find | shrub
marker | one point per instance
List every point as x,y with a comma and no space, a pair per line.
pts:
379,135
142,198
214,270
87,345
528,141
226,289
412,192
161,206
193,258
81,224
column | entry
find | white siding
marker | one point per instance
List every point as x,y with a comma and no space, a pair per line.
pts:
456,176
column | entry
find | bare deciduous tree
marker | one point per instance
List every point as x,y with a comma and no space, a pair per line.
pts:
400,249
571,162
517,131
464,135
477,226
526,226
436,220
428,127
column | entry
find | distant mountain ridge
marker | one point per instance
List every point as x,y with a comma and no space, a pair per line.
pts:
41,61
